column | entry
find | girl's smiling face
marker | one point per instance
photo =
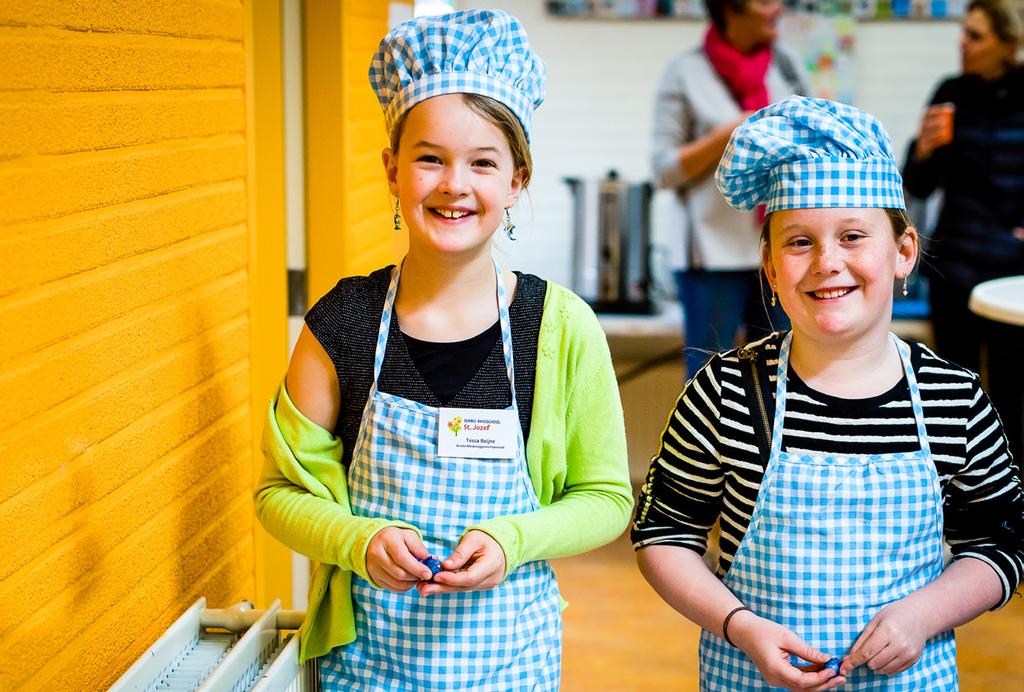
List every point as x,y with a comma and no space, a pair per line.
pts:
834,270
454,176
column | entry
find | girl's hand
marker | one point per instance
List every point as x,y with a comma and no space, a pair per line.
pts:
891,642
476,564
392,559
769,646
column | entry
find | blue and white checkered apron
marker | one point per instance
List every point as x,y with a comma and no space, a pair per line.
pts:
832,540
505,638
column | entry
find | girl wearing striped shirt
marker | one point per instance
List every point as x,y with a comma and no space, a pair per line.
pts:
836,458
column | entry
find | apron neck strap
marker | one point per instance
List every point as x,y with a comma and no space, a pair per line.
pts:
506,330
781,384
385,324
915,393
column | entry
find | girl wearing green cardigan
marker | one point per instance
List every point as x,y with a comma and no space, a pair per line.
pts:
446,426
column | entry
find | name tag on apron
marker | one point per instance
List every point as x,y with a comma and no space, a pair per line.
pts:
477,433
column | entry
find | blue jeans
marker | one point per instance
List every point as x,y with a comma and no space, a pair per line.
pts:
716,304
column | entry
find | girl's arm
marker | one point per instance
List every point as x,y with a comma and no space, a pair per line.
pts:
983,523
983,510
312,382
680,501
681,578
577,449
597,497
894,639
302,496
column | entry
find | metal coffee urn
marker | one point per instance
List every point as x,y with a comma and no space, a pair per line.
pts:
611,267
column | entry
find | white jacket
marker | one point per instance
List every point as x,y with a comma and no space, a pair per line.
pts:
693,100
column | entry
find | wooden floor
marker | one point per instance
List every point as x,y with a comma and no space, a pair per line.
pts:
620,636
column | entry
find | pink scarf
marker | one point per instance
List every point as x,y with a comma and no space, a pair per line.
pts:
743,74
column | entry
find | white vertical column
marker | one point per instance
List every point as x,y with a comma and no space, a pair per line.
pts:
295,217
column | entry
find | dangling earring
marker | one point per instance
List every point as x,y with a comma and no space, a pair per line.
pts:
398,219
773,296
905,289
509,226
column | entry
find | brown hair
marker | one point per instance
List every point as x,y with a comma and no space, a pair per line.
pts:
1006,23
498,115
716,10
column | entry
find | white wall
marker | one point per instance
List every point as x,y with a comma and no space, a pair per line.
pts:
602,76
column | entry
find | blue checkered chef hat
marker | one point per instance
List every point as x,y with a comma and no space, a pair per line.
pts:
482,52
804,153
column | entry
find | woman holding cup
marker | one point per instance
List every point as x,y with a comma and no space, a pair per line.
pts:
970,144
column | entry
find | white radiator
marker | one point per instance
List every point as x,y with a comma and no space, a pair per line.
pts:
258,651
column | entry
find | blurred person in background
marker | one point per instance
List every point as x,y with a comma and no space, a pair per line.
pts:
970,145
705,93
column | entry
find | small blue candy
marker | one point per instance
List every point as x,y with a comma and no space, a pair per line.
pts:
433,563
834,664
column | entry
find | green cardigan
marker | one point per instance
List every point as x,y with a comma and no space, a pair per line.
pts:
576,456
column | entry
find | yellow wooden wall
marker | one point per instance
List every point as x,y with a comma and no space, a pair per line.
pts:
349,219
133,335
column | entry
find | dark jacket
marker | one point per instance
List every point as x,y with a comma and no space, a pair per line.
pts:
981,174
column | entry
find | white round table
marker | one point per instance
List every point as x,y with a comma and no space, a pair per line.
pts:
1001,300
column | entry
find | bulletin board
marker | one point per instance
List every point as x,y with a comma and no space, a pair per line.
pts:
825,45
694,9
883,9
822,33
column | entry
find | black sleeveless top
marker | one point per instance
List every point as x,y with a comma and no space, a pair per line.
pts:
345,322
447,367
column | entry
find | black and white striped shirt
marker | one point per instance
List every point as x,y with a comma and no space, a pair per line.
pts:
709,466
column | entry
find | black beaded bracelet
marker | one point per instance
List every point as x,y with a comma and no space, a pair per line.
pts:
725,624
